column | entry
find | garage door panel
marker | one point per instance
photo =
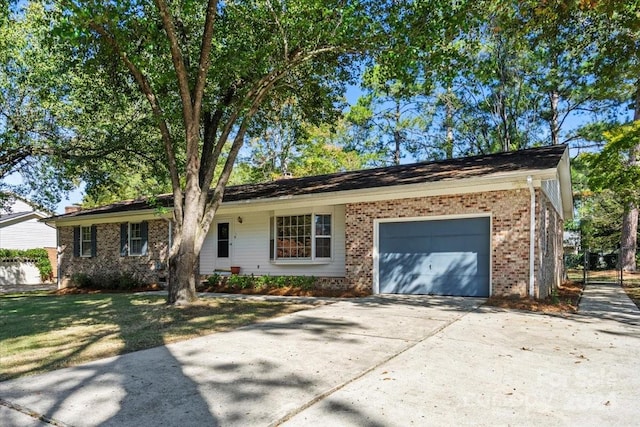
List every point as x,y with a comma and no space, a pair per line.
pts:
443,257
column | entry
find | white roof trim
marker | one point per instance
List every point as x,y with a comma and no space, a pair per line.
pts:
493,182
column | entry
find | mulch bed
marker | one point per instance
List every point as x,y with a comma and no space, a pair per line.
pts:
286,291
565,301
281,291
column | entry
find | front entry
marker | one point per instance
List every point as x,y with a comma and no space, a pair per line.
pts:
223,245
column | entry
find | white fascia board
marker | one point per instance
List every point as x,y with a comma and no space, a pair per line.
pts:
494,182
24,217
114,217
497,182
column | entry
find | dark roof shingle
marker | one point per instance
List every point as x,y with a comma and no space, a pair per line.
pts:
541,158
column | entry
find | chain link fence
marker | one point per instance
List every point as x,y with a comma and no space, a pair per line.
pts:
600,265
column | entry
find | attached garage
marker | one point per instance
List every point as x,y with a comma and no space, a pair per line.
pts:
435,257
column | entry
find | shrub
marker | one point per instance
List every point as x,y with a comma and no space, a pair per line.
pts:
240,282
82,280
610,261
304,282
574,260
123,281
214,279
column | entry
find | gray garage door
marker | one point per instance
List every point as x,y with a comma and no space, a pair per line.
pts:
442,257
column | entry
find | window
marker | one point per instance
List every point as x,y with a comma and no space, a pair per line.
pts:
323,236
133,238
223,240
85,241
298,237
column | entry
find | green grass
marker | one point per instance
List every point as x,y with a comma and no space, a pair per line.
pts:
40,332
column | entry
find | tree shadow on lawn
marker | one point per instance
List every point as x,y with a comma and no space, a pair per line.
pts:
183,384
112,391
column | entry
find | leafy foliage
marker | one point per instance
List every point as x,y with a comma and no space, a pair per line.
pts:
616,168
211,74
237,281
116,281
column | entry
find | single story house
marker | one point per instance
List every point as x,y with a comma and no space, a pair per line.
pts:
475,226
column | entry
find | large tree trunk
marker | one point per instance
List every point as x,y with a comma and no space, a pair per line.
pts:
449,123
554,125
629,239
182,276
185,253
629,236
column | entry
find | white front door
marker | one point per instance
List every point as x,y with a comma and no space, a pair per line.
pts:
223,245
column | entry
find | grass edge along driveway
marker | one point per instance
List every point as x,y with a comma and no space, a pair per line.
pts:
40,332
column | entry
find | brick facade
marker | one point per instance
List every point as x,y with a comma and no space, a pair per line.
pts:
510,220
148,268
549,247
509,238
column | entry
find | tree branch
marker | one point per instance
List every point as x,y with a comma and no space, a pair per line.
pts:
178,61
158,114
205,58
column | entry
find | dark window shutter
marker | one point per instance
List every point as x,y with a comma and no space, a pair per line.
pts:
144,232
124,238
94,243
76,241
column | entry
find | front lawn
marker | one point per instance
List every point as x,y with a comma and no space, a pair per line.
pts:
41,332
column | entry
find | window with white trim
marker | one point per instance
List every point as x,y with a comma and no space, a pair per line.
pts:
85,241
135,239
323,236
300,237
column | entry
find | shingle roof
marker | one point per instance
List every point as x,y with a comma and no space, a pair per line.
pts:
13,215
541,158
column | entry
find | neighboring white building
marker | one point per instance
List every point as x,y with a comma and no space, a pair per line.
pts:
20,227
571,242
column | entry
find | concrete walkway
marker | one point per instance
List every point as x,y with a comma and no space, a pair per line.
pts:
380,361
609,301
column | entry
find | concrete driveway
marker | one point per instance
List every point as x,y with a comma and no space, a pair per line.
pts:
382,361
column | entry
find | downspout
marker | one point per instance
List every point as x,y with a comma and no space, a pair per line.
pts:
532,237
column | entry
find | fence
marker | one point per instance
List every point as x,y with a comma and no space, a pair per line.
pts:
597,265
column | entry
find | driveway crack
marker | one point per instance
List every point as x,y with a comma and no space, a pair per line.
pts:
33,414
332,390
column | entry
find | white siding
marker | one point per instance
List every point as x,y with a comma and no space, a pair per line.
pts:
250,246
551,187
28,234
